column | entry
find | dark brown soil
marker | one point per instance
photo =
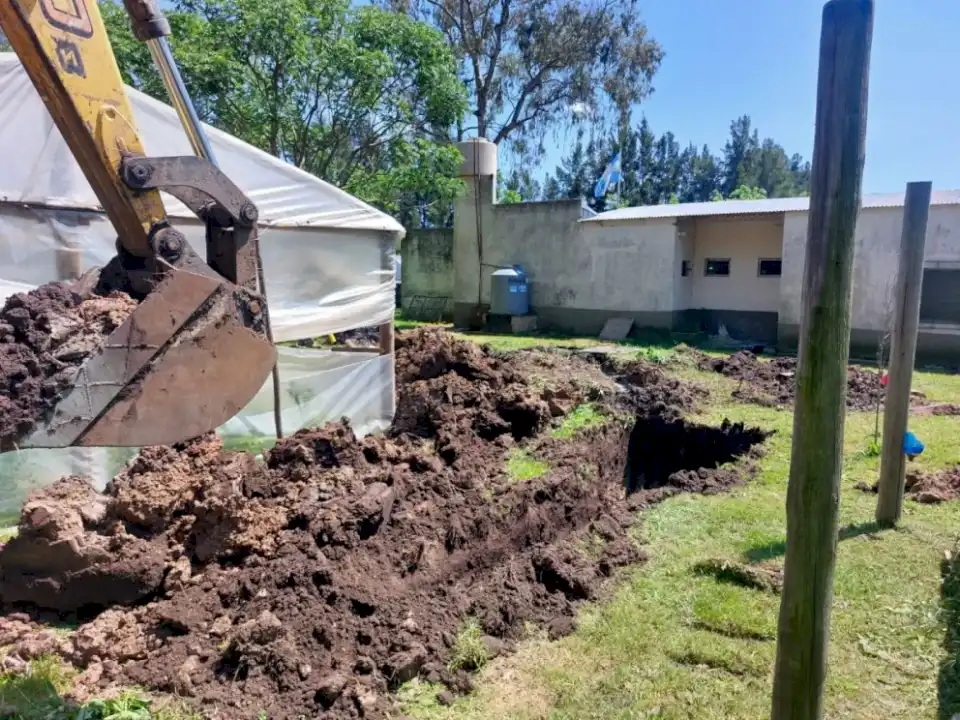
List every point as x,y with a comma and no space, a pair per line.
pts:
654,393
773,383
45,335
315,583
934,487
937,409
929,487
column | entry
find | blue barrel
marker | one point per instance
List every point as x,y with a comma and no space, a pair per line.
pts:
509,292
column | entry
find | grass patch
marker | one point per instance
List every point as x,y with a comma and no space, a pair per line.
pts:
37,694
521,465
678,645
469,651
253,444
656,355
582,417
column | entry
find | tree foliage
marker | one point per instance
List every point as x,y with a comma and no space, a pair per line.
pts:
354,95
657,170
533,65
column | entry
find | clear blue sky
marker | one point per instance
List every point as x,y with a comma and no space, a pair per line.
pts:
759,57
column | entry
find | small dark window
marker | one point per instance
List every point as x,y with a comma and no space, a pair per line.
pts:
716,268
686,268
769,268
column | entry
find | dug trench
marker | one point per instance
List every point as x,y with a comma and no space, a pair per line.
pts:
316,582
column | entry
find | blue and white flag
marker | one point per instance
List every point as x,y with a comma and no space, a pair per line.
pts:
609,179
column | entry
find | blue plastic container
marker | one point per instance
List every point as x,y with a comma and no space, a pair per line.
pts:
509,292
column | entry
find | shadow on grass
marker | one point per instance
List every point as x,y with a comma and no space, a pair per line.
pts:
948,687
771,551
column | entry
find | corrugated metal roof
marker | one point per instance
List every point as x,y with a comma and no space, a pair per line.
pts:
754,207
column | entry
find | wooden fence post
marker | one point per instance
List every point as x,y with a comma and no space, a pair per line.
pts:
903,350
816,458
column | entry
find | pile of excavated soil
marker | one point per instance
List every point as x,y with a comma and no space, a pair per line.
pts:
654,393
773,383
937,409
313,584
45,336
928,487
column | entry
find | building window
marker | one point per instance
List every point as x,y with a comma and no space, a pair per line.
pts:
715,267
686,268
939,299
769,267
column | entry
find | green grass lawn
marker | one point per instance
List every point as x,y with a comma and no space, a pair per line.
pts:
652,342
675,644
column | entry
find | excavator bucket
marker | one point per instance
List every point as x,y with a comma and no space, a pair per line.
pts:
183,363
197,347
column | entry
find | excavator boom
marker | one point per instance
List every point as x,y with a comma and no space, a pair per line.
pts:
198,347
64,48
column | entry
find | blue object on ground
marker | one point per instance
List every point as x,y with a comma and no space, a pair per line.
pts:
912,445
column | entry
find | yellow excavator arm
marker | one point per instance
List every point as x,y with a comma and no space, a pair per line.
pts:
64,48
198,346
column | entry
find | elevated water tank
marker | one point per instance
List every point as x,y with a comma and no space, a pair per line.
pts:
509,292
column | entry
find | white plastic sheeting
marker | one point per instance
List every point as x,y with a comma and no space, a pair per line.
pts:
318,281
38,168
316,387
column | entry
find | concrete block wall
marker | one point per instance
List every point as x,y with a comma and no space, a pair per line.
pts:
427,271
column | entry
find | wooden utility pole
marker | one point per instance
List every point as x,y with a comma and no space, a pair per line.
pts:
903,350
816,459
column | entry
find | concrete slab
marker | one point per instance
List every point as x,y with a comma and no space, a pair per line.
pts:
523,323
616,329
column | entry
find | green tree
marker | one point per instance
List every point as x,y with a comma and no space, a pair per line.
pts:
355,95
532,65
705,174
745,192
655,169
741,161
518,186
573,175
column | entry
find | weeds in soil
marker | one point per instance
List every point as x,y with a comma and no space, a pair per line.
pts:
37,695
521,465
469,651
591,545
582,417
676,645
873,448
656,355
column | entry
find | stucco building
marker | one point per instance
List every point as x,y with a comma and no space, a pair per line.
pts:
682,267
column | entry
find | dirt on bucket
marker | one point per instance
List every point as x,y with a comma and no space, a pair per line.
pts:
45,336
315,583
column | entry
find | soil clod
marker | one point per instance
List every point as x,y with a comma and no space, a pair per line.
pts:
757,577
45,336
